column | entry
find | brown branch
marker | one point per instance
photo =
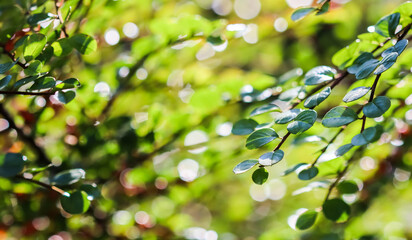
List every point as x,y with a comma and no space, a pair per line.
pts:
283,141
45,185
11,56
27,93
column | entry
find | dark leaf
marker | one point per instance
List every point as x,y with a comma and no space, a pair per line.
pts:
260,176
261,137
339,116
244,127
271,158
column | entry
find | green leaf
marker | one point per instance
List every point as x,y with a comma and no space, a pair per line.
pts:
287,116
339,116
33,46
356,93
83,43
386,26
365,56
343,149
336,210
344,56
324,9
301,13
244,127
319,75
303,121
35,19
271,158
347,187
294,168
34,68
4,67
62,47
4,82
260,176
317,98
43,83
366,69
11,164
66,97
264,109
244,166
386,63
306,219
68,84
368,135
260,138
75,203
291,94
377,107
38,169
92,191
26,80
398,48
68,177
307,174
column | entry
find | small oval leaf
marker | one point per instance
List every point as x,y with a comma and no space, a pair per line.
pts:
303,122
260,176
244,166
261,137
75,203
264,109
339,116
307,174
11,164
356,93
336,210
271,158
377,107
306,219
244,127
317,98
68,177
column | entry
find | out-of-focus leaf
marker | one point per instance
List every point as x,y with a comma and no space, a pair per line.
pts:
33,46
75,203
68,177
11,164
336,210
307,174
264,109
306,219
83,43
347,187
301,13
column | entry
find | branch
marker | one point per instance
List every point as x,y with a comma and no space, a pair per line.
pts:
45,185
27,93
11,56
41,154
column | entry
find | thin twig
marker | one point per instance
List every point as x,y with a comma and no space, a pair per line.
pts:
45,185
27,93
283,141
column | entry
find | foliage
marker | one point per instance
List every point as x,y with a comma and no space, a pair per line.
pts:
133,134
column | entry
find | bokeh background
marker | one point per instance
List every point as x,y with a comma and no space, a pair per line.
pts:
158,142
